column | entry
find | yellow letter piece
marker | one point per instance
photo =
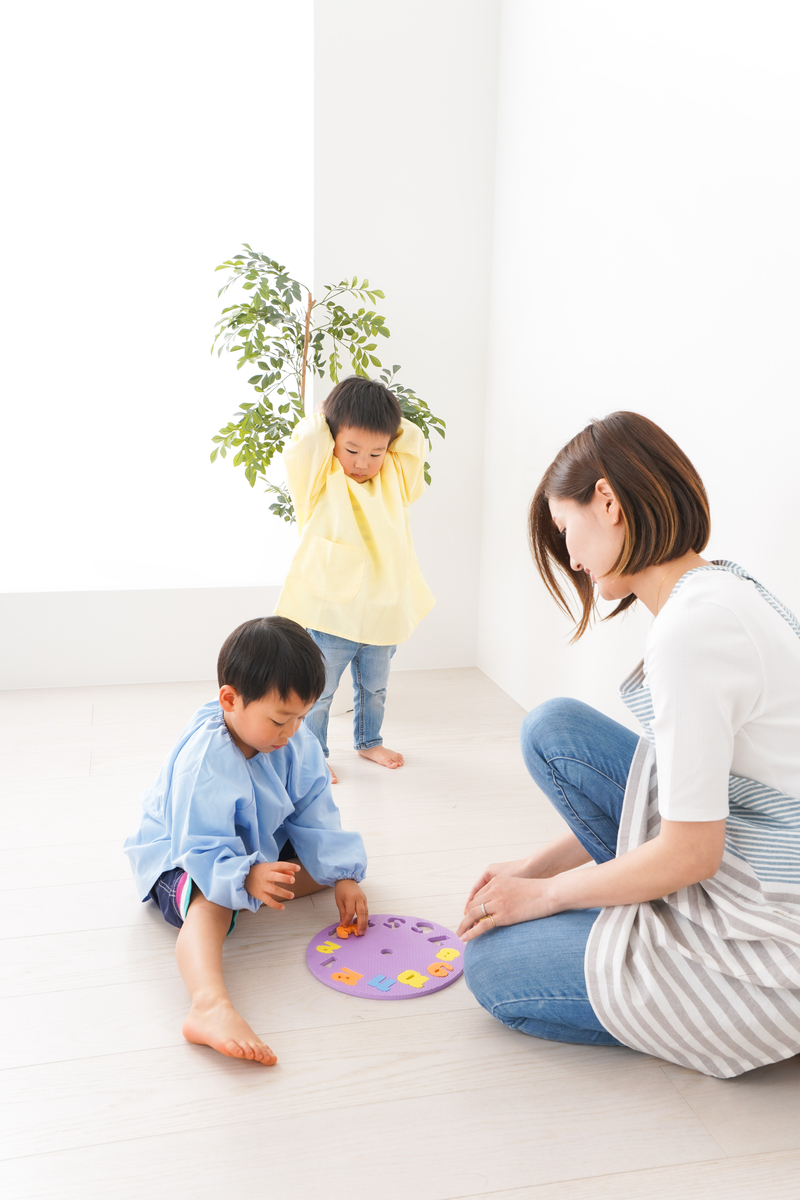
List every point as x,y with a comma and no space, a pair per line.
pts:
447,954
412,978
328,947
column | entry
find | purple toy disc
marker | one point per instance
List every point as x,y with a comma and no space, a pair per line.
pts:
398,958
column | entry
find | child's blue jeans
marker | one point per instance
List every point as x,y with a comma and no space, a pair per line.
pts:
530,976
369,666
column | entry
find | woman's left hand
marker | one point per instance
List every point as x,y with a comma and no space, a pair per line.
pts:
506,900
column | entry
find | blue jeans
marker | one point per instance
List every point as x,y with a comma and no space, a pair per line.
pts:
530,976
369,666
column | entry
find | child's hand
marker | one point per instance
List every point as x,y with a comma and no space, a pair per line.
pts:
352,904
263,881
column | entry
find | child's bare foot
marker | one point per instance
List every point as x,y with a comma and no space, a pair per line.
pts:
384,757
219,1026
334,776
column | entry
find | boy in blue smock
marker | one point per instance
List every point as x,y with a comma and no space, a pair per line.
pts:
242,815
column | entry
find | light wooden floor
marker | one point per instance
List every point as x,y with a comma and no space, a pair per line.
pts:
427,1100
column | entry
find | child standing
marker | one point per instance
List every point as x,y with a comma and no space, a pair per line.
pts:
354,583
241,815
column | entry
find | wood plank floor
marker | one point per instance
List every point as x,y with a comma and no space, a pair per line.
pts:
432,1099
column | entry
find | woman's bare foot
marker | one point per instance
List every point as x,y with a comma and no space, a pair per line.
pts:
219,1026
384,757
334,776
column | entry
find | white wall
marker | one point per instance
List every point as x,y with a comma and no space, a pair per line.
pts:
72,639
646,256
405,125
637,248
142,145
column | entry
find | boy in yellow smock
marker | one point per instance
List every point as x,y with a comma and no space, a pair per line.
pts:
354,583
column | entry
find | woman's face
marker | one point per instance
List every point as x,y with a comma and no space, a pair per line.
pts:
594,533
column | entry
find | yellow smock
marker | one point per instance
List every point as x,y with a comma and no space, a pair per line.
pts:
355,573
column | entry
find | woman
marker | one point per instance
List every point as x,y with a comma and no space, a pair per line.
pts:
683,940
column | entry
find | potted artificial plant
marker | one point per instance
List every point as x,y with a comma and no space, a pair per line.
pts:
286,334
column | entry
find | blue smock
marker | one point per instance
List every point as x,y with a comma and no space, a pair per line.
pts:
215,813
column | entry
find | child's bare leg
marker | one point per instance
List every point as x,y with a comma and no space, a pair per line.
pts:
334,776
212,1020
384,757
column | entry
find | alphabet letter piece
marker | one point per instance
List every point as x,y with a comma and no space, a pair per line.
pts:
347,976
382,983
412,978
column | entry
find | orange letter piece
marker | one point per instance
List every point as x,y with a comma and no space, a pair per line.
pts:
440,969
347,976
344,931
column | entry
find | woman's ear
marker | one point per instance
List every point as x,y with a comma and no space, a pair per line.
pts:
610,505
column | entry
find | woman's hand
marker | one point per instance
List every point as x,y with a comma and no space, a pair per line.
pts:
506,899
263,881
352,904
518,867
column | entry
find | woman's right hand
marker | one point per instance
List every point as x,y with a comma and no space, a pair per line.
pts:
518,867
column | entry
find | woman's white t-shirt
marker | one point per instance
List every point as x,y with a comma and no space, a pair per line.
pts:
723,668
709,976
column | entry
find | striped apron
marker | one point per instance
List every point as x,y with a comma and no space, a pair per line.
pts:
707,977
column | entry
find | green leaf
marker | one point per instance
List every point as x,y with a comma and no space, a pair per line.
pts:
265,328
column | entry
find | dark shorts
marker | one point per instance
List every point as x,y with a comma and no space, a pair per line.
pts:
172,891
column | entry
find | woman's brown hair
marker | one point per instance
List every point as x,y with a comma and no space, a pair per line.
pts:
662,498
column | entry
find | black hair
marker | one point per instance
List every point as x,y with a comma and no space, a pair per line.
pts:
271,654
359,403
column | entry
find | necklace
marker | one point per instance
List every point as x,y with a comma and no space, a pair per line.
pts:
666,573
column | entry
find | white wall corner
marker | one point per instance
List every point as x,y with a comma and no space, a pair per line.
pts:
404,163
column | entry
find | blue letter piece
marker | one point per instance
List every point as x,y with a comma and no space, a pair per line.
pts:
382,983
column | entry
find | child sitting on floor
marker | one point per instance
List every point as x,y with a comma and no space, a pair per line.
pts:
353,469
241,815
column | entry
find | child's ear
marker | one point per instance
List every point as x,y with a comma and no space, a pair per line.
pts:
227,697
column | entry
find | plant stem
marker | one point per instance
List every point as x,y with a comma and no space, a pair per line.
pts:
305,354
